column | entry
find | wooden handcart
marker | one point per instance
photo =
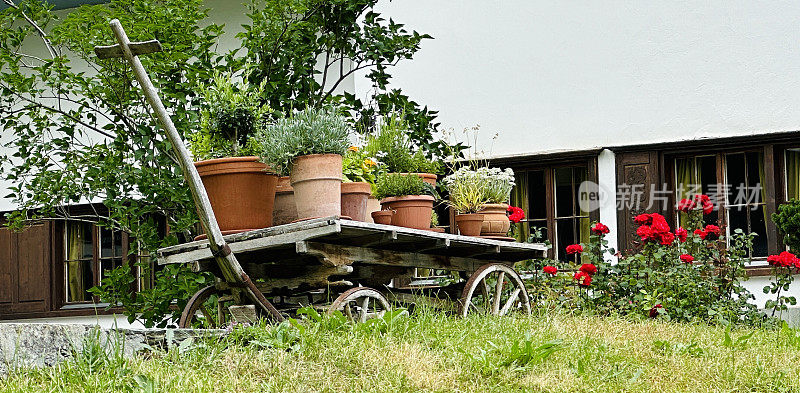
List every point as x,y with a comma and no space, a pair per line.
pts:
314,261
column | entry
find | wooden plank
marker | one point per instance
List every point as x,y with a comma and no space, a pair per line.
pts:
137,48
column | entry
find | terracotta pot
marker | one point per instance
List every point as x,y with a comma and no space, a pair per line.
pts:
241,192
495,220
285,211
373,205
382,217
354,200
317,183
429,178
469,224
410,211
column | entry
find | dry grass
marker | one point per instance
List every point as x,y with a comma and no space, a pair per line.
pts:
435,353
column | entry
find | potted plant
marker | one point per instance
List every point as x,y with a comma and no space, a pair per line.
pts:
497,186
241,189
467,196
391,145
408,197
360,173
308,146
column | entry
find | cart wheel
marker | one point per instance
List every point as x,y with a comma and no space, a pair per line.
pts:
196,304
360,304
494,289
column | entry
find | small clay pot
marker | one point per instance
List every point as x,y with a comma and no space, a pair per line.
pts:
285,211
429,178
469,224
354,200
317,183
383,217
410,211
495,219
373,205
241,192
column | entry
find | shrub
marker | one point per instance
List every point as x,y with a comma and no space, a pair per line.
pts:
311,131
395,184
787,219
391,145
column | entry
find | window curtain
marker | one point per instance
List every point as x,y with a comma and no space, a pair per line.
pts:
519,198
686,170
792,174
76,289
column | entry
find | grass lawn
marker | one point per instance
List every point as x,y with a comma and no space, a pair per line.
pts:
435,353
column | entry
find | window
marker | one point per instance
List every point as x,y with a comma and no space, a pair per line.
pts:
550,198
792,173
696,175
90,252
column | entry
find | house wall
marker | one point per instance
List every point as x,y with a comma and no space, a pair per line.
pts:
581,74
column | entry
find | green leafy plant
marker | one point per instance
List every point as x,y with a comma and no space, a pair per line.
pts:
392,146
467,194
395,184
233,113
310,131
787,219
471,189
358,166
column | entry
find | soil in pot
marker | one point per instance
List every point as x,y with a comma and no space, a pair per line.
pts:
285,211
469,224
495,220
354,200
410,211
383,217
317,183
241,192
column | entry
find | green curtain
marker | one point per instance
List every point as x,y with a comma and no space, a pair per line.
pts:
792,174
75,284
519,198
686,170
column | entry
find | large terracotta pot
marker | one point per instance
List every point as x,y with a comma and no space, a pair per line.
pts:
495,220
241,192
317,183
285,211
373,205
410,211
429,178
469,224
354,200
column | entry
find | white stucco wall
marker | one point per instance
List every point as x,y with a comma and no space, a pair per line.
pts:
579,74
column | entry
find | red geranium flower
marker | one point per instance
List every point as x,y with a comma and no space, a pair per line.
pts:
515,214
686,205
707,208
644,232
659,224
589,269
681,234
702,198
600,229
701,233
550,270
667,238
643,219
655,310
784,259
583,278
712,232
687,258
574,249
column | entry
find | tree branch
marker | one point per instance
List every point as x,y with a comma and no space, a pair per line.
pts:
38,29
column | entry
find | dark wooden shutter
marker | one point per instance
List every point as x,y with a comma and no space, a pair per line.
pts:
25,270
635,169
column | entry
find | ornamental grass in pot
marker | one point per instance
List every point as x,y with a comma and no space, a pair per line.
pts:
308,146
241,189
408,197
467,197
496,185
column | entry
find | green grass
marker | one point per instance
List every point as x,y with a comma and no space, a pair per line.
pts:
435,353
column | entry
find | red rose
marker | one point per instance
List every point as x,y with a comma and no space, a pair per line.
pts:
574,249
655,310
644,232
707,208
550,270
589,269
687,258
667,238
681,234
643,219
712,232
600,229
515,214
703,198
659,224
583,278
784,259
686,205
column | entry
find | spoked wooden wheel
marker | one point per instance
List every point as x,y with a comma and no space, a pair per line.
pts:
197,309
494,289
360,304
